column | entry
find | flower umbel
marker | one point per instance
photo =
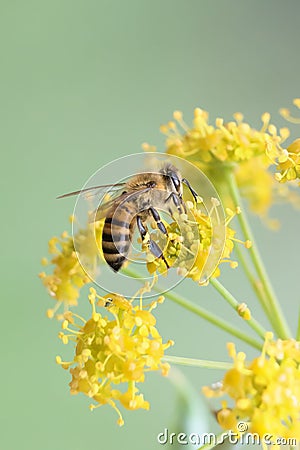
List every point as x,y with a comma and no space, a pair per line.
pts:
68,276
232,142
237,146
198,244
114,353
289,163
265,392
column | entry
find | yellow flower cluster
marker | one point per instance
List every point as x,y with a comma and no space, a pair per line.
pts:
116,351
238,146
266,392
289,163
68,276
193,240
233,142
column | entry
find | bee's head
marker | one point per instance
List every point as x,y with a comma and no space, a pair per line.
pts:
173,179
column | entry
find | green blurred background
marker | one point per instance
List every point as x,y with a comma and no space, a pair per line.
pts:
82,83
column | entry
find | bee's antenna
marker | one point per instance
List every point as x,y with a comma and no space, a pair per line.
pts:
193,192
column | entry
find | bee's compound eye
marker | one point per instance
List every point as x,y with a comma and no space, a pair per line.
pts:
176,182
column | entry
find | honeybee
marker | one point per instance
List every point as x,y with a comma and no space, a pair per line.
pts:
135,202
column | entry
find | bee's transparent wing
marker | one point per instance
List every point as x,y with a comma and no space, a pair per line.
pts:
114,201
94,190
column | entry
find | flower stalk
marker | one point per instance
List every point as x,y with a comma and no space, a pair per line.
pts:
274,311
198,310
254,281
212,318
254,324
179,360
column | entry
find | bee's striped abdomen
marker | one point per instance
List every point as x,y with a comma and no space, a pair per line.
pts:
116,237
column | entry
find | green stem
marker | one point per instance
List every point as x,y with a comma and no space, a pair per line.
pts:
274,313
196,309
255,283
197,362
235,304
212,318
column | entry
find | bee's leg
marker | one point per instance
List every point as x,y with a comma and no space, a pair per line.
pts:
153,247
177,202
157,218
143,230
193,192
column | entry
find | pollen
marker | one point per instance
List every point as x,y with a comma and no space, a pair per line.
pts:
244,311
296,102
248,244
177,115
148,148
145,146
219,122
